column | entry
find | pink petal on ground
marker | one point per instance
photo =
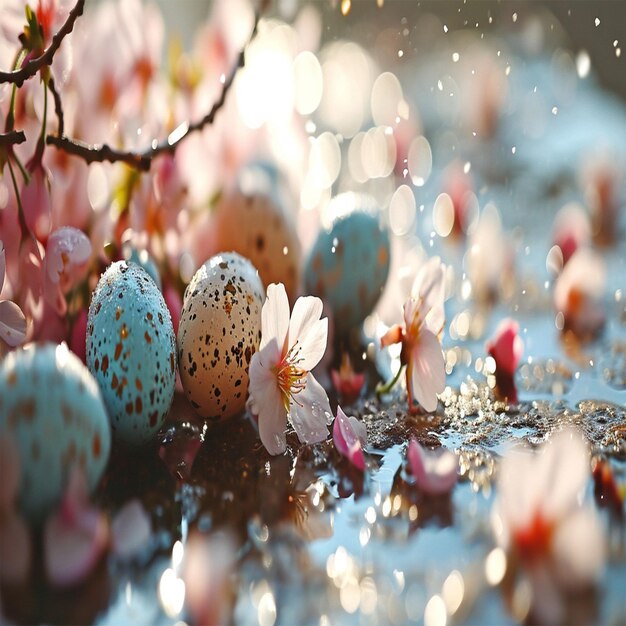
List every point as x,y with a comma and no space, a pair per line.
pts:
12,323
435,471
9,471
347,441
15,548
72,548
130,530
506,347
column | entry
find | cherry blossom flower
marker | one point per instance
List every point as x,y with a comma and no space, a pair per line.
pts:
435,471
206,572
15,546
421,349
571,230
346,381
349,435
281,384
75,537
36,201
12,320
506,347
540,518
578,294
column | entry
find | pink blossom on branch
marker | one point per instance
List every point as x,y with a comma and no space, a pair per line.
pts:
349,436
281,384
435,471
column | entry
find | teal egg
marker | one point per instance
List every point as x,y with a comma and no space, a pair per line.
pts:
131,351
51,406
349,263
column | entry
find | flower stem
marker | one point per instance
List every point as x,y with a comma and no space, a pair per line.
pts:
383,388
20,210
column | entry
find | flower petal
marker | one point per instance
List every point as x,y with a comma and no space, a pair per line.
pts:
428,375
310,412
346,439
308,331
130,529
506,347
393,335
266,400
579,549
12,323
435,471
275,316
73,548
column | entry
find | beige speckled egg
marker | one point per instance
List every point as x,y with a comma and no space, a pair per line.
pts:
219,331
254,224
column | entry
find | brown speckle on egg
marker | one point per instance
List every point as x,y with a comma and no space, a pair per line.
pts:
218,333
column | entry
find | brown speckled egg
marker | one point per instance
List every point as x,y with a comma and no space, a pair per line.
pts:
256,226
219,331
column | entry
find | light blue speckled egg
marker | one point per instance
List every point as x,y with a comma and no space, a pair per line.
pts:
51,406
144,260
349,264
131,351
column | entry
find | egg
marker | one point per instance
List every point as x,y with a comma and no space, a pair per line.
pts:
219,331
51,406
251,220
349,263
131,351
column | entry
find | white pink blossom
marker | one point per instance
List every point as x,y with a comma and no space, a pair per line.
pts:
75,537
281,384
541,518
423,324
349,436
435,471
579,291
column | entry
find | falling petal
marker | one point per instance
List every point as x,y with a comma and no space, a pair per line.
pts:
435,471
346,439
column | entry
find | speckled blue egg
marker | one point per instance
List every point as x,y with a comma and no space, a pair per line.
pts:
131,351
51,406
349,264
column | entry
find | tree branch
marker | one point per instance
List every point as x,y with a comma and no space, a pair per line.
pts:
58,106
34,65
12,138
142,160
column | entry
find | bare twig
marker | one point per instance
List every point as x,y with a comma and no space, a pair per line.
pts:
34,65
58,106
142,160
12,138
